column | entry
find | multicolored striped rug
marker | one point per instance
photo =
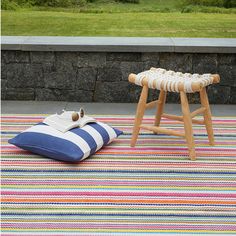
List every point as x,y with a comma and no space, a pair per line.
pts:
150,189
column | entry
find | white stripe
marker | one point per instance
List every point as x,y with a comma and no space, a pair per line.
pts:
111,132
69,136
95,134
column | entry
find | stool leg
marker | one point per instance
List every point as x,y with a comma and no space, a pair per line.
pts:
207,115
160,107
188,125
139,115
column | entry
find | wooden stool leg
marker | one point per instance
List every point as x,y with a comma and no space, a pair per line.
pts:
207,115
160,107
188,125
139,114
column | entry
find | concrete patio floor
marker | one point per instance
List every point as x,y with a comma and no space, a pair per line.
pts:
49,107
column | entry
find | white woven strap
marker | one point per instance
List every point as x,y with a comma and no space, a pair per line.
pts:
169,80
139,78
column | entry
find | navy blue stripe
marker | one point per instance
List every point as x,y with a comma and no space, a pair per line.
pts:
117,131
87,138
49,146
41,123
102,131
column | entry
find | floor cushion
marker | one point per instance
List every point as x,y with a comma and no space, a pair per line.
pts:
73,145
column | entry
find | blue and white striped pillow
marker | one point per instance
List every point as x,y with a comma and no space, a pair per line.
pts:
73,145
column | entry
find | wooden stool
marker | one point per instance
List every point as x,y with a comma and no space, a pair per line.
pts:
171,81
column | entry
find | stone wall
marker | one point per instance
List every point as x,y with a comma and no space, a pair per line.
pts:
102,76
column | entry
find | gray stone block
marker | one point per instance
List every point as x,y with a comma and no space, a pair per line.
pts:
226,59
130,67
153,94
227,74
112,92
80,96
62,80
45,94
86,78
117,56
15,56
218,94
91,59
42,57
66,61
176,62
20,94
49,67
149,64
204,63
233,96
23,75
3,70
193,98
148,56
151,60
63,95
3,88
109,73
134,92
173,98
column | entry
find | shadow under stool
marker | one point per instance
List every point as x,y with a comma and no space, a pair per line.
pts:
170,81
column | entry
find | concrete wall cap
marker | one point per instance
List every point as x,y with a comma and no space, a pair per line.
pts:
119,44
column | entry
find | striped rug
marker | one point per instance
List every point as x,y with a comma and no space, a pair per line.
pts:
148,190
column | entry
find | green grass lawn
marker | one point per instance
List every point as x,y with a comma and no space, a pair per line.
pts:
142,24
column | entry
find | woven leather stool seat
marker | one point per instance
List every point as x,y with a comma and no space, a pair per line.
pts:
170,81
167,80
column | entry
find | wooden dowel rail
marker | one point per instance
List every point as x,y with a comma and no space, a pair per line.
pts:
162,130
151,105
172,117
198,111
180,118
199,122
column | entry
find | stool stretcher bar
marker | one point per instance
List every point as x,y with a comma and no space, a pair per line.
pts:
180,118
162,130
200,110
152,104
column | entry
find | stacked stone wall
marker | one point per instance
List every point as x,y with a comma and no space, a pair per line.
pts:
102,76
